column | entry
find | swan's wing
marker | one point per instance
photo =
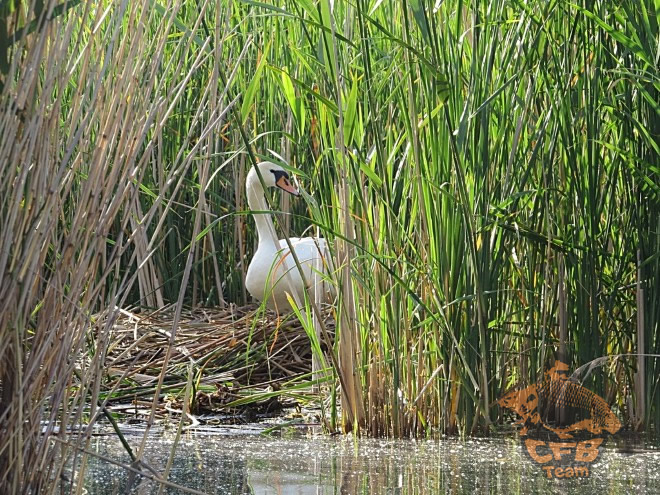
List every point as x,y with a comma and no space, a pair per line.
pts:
313,254
307,248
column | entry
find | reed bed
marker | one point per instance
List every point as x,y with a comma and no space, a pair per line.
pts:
487,174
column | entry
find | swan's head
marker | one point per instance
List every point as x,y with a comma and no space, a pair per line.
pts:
274,176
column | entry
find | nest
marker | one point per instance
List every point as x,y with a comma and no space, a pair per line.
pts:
227,350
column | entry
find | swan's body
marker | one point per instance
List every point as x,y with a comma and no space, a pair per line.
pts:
267,278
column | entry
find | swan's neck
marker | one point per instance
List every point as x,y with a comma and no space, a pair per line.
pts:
257,203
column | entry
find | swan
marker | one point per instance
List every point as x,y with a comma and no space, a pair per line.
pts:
266,277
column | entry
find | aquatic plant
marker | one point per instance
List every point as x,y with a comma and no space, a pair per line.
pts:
486,173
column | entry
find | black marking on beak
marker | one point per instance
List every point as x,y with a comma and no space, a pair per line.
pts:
283,181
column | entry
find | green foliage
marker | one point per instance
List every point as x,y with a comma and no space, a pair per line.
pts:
502,167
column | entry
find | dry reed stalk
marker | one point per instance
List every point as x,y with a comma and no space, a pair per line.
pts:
349,348
70,213
49,268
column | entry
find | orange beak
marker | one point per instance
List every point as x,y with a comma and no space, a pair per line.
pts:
284,184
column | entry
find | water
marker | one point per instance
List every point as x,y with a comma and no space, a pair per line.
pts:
255,464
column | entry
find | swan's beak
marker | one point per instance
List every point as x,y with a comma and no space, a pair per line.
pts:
284,184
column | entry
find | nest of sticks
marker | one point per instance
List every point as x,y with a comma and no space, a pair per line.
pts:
228,351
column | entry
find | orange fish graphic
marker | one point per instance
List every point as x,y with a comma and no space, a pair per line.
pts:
557,390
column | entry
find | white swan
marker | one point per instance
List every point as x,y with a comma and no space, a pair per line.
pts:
265,277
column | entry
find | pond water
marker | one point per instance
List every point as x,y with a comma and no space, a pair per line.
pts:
313,465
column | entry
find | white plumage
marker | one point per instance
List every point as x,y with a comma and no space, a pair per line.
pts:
266,276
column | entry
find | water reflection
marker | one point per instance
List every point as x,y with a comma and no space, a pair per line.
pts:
253,464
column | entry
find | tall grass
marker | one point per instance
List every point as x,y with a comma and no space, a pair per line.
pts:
87,100
503,171
488,172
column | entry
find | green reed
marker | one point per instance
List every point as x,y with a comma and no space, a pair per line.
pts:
487,173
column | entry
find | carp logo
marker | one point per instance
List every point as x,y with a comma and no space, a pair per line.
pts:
561,407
